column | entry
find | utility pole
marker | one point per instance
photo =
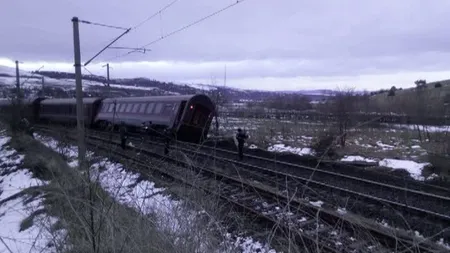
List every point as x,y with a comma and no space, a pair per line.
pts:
107,79
43,82
17,80
79,92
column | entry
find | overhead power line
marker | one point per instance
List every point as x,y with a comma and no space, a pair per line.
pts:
112,42
144,50
99,24
126,31
154,15
180,29
194,23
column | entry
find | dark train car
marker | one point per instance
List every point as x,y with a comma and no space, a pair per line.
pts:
189,115
29,110
64,110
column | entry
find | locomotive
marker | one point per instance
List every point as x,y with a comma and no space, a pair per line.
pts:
189,116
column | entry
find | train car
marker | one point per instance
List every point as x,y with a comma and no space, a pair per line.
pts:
64,110
29,110
189,115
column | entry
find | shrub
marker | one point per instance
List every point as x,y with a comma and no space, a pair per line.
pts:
324,145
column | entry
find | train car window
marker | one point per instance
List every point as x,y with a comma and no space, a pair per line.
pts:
111,108
122,107
150,108
136,108
167,110
158,108
128,108
142,109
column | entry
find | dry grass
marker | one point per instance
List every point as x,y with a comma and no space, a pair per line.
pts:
360,141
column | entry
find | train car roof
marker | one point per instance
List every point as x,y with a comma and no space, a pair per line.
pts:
149,98
8,101
69,101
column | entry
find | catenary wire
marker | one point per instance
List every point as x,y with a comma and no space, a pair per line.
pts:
99,24
180,29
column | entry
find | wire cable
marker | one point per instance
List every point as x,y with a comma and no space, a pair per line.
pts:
99,24
112,42
194,23
155,14
126,31
180,29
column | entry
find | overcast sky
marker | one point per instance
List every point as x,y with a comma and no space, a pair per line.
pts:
265,44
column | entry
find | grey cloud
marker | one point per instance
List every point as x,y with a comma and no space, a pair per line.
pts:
260,38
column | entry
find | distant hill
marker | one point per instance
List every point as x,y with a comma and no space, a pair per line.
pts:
136,86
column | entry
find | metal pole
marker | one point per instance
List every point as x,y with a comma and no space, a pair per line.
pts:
43,91
107,76
107,72
107,79
80,114
17,80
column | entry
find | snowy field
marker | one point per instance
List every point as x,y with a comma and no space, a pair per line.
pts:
16,235
145,197
173,217
397,147
33,83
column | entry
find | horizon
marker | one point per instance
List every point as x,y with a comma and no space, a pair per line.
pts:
32,67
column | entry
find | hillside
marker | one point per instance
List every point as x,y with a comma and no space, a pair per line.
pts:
433,98
62,84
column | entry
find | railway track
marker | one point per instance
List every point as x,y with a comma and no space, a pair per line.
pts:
262,199
403,207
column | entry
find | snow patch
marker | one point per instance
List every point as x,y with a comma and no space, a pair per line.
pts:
318,203
357,158
384,146
289,149
252,146
414,168
36,237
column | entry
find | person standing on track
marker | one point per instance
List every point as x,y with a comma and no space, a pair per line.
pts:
169,134
26,127
123,135
241,136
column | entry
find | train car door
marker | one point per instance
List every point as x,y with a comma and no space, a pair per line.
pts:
180,113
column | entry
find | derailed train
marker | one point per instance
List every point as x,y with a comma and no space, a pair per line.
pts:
190,116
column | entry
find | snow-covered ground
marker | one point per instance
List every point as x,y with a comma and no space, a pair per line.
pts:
431,129
288,149
396,148
413,168
145,197
14,179
64,83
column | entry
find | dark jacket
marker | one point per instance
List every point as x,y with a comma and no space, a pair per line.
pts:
123,132
241,137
